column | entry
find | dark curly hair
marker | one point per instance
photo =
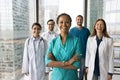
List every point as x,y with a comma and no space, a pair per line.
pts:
63,14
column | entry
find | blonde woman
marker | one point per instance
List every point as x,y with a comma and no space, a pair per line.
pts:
99,53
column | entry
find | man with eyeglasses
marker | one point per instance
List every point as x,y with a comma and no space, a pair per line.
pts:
48,36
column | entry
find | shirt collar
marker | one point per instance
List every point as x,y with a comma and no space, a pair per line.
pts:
50,32
98,38
35,39
68,35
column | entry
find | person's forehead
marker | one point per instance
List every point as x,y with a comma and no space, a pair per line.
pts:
78,17
50,22
64,18
36,26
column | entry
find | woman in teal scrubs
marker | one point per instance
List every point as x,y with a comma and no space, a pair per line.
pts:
64,52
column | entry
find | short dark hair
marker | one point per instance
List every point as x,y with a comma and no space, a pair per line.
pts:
36,23
50,20
80,16
63,14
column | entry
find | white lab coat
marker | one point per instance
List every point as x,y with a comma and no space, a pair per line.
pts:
48,36
34,63
105,57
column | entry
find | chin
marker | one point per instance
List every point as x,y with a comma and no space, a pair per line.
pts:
36,35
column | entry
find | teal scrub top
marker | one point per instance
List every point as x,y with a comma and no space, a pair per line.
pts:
64,53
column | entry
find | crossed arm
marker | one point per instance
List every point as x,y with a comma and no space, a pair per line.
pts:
64,64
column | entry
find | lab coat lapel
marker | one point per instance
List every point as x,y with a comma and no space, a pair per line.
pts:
102,46
94,44
32,53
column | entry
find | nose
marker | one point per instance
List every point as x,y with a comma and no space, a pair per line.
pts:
64,24
37,30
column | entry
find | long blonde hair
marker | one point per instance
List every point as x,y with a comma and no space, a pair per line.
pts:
93,33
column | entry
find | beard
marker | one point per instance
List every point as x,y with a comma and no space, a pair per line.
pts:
79,23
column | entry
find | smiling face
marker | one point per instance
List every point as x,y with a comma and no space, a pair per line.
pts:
36,30
79,21
64,24
51,25
99,27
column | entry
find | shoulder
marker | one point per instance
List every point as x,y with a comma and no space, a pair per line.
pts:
44,33
109,39
54,39
74,38
27,41
91,38
73,28
44,40
85,28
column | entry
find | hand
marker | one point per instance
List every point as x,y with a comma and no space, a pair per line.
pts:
50,55
73,59
109,77
86,70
